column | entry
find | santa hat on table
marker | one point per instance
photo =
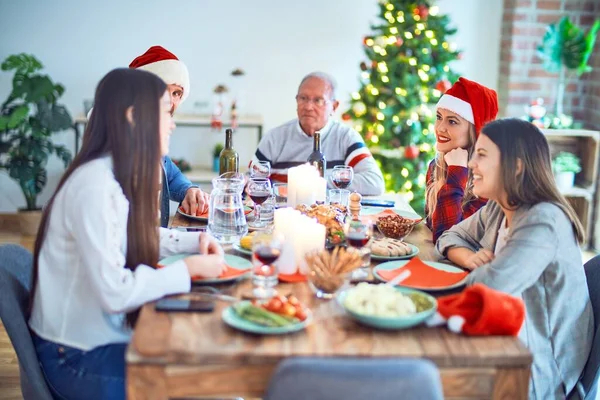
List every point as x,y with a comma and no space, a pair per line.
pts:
480,310
472,101
166,65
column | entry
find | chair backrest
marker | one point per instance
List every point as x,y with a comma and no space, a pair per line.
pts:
15,277
354,378
591,372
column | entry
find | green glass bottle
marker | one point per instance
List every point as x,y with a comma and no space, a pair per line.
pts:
317,158
229,159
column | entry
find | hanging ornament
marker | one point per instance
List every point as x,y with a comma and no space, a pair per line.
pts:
443,85
369,135
346,117
411,152
359,108
366,39
422,11
363,66
373,64
399,42
395,143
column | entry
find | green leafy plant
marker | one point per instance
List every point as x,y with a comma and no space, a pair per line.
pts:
566,162
565,47
28,118
217,149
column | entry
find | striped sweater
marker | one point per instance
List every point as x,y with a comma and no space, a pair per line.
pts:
288,146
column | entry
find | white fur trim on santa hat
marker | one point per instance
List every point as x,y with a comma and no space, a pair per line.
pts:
455,323
458,106
172,72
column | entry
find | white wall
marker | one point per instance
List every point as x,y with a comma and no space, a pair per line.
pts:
275,42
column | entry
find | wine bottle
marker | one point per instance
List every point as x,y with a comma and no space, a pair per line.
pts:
229,159
317,158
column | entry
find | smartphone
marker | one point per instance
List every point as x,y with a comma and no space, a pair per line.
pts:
184,305
377,203
191,228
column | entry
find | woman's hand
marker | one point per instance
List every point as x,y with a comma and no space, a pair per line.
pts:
476,260
209,245
207,266
458,157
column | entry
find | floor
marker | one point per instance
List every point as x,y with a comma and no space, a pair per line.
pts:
9,367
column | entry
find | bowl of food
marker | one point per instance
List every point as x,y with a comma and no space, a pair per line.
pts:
396,226
332,216
329,271
387,307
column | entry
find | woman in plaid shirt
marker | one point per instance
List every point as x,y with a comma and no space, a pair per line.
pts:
461,113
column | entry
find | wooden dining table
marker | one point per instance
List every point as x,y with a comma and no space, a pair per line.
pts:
187,355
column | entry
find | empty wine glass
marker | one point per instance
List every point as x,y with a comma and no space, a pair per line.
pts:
342,176
260,169
259,190
358,234
266,249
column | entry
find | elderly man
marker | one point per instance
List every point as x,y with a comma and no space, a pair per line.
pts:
290,144
175,74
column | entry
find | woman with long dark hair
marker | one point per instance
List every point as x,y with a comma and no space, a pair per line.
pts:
525,242
98,243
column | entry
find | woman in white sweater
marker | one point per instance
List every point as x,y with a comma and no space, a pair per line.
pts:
98,244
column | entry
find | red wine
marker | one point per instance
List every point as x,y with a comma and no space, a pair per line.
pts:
267,254
259,197
357,240
342,183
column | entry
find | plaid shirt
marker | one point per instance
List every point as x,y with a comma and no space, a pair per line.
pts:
449,210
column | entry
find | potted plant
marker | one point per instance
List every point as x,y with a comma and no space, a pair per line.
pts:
216,153
28,118
566,49
565,166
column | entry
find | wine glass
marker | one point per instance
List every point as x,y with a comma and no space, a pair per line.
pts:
260,169
266,249
259,190
358,234
342,176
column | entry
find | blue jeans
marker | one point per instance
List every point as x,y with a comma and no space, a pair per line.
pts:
76,374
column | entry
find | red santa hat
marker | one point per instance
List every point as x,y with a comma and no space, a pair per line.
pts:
480,310
472,101
166,65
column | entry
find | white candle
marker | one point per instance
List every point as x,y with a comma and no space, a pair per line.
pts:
321,189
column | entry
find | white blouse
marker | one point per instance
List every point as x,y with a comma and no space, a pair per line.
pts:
84,289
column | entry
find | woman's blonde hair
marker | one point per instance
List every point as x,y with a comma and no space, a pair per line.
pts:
440,174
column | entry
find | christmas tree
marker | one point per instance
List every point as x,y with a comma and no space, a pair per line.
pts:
407,72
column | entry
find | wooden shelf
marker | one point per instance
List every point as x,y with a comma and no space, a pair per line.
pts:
585,144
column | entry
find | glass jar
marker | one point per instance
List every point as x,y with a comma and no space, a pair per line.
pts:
226,219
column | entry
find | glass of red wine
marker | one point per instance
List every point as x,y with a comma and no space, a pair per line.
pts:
259,190
358,235
266,249
342,176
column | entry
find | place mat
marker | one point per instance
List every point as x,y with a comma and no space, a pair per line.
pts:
236,267
423,275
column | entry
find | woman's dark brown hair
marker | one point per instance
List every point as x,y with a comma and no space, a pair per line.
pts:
520,140
135,151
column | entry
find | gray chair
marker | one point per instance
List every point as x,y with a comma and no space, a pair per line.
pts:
15,277
354,379
591,372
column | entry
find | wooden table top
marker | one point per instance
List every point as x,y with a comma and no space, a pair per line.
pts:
201,339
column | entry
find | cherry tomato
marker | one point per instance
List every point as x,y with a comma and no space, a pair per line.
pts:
289,309
275,305
293,300
300,314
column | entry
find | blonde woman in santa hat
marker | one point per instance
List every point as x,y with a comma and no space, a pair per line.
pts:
461,113
176,186
98,245
525,242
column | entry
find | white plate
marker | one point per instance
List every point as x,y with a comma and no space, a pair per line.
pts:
240,249
231,318
231,260
390,265
203,219
415,251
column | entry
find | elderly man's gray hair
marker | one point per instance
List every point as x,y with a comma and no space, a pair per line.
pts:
325,78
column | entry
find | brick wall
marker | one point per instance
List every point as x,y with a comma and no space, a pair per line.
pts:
522,77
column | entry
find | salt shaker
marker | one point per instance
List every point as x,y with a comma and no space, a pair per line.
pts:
354,204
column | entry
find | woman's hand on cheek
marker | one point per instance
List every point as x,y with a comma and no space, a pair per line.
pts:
458,157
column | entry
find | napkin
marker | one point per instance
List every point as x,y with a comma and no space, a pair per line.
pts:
480,310
292,278
423,276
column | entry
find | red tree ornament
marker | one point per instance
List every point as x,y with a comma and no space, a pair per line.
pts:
422,11
365,40
346,117
443,85
399,42
411,152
